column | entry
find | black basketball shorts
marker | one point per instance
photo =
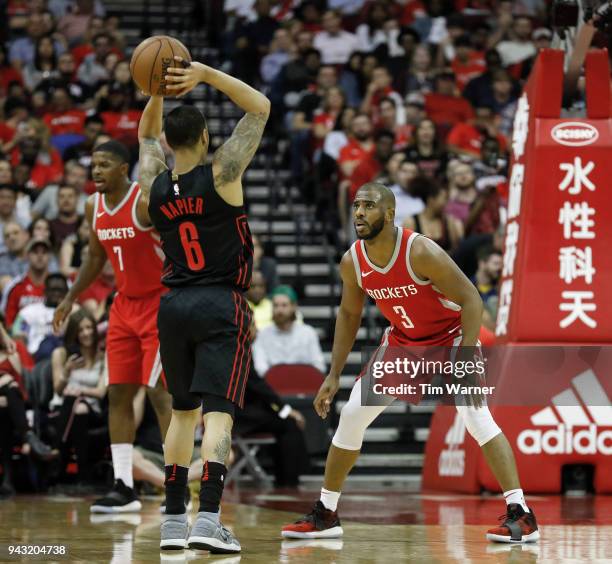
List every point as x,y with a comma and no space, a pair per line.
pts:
205,348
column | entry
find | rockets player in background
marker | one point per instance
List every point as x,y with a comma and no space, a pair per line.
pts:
427,301
122,233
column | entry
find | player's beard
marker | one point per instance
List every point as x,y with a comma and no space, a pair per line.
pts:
375,229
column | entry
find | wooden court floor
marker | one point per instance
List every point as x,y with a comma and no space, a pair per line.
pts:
383,526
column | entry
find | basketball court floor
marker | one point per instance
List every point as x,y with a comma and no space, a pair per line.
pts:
381,526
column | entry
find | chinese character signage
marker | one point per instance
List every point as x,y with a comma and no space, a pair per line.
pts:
557,268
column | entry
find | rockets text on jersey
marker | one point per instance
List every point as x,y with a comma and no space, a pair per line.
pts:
133,250
417,311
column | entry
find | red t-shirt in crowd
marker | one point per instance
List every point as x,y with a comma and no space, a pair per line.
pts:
19,293
352,151
365,172
6,132
412,10
81,51
72,121
122,126
8,75
464,72
325,118
447,110
46,170
468,138
403,135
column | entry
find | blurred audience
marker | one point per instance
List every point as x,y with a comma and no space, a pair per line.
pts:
432,222
33,324
286,341
79,386
258,300
419,95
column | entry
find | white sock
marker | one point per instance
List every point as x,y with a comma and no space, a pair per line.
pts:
516,496
330,499
122,463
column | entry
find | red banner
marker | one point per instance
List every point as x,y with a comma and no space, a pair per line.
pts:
555,289
557,265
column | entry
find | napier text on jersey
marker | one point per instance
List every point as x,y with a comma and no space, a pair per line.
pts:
207,242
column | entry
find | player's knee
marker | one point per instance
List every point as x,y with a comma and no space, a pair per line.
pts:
183,405
351,428
121,396
159,397
479,423
350,411
213,404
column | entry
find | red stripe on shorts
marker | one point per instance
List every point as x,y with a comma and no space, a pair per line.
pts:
229,387
241,347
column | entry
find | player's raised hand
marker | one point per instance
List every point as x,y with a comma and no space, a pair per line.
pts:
62,311
184,77
325,395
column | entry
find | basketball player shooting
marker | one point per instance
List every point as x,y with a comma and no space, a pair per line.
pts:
385,258
204,319
121,232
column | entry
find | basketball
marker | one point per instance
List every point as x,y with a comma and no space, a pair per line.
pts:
151,59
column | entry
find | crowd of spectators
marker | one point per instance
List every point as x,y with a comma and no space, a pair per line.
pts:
65,87
419,95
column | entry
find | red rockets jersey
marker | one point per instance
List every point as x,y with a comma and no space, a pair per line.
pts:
418,312
133,250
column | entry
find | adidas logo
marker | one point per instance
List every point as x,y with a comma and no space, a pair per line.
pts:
565,415
452,458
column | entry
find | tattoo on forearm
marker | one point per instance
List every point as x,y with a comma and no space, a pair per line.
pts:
152,162
236,153
222,448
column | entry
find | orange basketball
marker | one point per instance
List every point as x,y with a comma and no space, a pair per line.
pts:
150,61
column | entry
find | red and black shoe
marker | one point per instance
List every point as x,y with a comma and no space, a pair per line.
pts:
320,523
518,526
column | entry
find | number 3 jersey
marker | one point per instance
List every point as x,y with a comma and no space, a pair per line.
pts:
133,250
418,312
207,242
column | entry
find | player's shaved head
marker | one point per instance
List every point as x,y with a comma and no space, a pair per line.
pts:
373,210
385,196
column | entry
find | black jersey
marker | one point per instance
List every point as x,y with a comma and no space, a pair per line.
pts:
206,240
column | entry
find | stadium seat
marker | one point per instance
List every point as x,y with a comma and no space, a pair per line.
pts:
298,384
247,447
299,380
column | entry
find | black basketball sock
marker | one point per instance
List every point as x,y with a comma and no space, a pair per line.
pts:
211,488
176,482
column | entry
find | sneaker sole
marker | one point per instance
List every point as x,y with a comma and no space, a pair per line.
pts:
131,507
333,533
215,546
532,537
173,544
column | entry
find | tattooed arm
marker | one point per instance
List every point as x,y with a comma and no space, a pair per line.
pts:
232,158
151,156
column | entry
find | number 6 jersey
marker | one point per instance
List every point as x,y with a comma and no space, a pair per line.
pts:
207,242
133,250
418,312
